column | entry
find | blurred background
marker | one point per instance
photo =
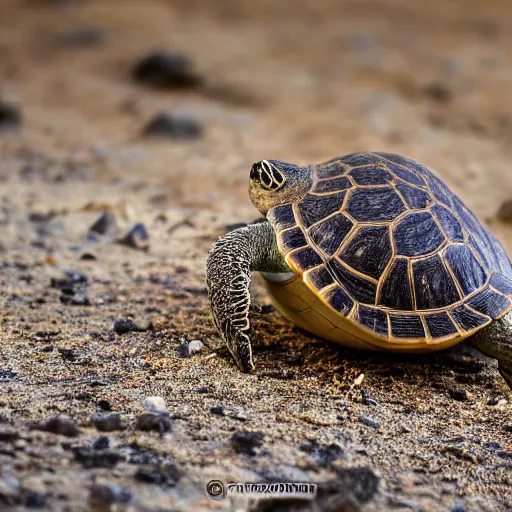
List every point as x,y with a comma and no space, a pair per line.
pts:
294,80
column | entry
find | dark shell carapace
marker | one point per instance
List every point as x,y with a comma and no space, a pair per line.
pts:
386,243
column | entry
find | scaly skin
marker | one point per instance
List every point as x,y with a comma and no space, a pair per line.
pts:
495,340
228,276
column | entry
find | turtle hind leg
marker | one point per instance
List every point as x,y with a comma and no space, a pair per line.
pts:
228,277
495,340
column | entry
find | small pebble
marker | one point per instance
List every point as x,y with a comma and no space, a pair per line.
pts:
183,350
125,325
67,353
154,404
172,126
75,300
246,442
229,411
459,395
158,422
104,405
369,422
189,349
195,346
492,446
10,117
165,69
102,443
137,237
108,494
505,211
62,425
91,457
104,224
439,92
165,474
107,422
493,400
367,400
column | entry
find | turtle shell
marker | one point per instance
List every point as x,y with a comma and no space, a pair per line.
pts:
386,244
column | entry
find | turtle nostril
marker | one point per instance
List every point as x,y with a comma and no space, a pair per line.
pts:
254,175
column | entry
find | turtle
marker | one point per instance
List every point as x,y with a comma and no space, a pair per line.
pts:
370,250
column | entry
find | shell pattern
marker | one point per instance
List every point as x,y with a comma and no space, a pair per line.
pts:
386,244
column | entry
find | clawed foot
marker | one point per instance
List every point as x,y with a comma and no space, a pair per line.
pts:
239,344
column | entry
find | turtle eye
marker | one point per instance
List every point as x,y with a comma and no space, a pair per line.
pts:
267,175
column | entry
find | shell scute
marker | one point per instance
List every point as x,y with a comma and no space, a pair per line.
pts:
333,185
361,289
373,318
330,233
375,204
440,325
371,175
406,326
417,234
313,209
466,269
369,250
433,285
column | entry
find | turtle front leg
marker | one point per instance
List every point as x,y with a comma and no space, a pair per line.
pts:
228,276
495,340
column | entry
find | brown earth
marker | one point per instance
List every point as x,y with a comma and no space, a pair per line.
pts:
299,81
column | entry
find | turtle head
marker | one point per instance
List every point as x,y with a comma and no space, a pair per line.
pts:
272,183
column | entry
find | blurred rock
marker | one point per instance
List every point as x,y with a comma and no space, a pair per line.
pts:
172,126
246,442
104,405
108,494
124,325
158,422
105,223
10,117
154,404
137,237
439,92
82,37
165,474
166,70
505,211
369,422
107,422
188,349
459,395
62,425
91,457
230,411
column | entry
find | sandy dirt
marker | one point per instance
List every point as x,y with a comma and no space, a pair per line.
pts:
299,81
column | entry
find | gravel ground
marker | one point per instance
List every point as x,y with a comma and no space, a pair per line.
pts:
121,164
